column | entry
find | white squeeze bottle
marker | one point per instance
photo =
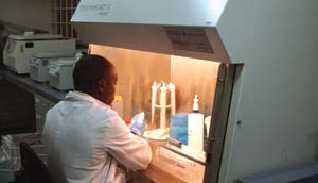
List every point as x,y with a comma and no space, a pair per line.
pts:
196,128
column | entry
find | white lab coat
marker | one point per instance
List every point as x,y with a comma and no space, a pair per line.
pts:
90,143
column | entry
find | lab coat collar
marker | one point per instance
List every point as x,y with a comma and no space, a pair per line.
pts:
80,96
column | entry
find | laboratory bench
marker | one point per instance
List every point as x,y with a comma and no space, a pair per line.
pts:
170,166
24,81
167,164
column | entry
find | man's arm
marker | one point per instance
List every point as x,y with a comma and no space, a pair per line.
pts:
128,149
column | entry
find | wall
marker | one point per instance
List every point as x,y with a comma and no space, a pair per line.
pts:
277,97
137,70
194,77
30,13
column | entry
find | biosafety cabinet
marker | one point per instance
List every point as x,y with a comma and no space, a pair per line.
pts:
175,72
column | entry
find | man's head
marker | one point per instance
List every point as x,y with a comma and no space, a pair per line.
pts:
96,76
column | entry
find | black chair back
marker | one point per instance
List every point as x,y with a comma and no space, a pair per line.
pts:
33,169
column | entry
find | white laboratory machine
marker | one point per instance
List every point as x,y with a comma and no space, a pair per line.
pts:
39,65
20,48
61,73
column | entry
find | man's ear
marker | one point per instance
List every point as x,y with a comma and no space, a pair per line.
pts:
101,84
101,87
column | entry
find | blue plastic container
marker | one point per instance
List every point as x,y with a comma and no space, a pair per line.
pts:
179,128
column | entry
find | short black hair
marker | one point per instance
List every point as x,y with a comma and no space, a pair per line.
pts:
89,70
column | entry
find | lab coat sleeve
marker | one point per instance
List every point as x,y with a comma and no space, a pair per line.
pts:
128,149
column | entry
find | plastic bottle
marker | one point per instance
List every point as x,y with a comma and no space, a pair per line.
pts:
195,107
196,127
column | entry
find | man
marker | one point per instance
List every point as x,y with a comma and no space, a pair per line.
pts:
87,141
